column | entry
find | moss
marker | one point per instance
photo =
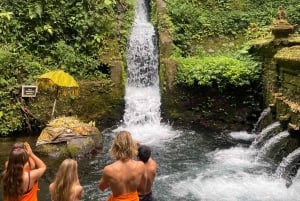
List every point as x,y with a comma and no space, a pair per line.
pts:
96,100
289,54
71,151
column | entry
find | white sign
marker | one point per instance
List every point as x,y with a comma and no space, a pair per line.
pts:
29,90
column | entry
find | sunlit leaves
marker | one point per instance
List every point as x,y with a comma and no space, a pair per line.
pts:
48,28
35,10
6,15
222,70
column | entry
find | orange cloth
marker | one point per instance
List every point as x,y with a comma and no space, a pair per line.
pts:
31,195
125,197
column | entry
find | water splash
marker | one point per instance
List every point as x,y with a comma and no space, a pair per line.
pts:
266,133
234,175
287,163
243,135
142,115
271,143
264,113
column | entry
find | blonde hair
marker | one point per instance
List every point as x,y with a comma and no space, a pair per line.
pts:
64,180
123,146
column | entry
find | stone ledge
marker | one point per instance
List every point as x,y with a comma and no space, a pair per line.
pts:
289,54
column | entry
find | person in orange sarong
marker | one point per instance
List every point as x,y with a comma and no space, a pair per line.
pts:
125,174
124,197
22,170
32,194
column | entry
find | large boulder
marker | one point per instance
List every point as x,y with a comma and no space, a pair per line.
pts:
68,136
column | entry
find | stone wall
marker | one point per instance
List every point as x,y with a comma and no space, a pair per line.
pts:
281,78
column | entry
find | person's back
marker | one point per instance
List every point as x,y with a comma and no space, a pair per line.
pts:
125,174
145,187
21,174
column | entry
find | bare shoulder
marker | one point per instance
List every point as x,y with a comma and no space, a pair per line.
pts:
141,166
79,188
152,165
107,169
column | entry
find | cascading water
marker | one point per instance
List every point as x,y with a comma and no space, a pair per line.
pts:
142,93
266,134
257,125
271,143
289,162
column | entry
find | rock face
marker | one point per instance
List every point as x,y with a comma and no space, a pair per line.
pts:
67,136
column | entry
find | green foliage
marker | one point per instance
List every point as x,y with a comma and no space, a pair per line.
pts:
15,68
196,21
225,70
79,29
37,36
255,32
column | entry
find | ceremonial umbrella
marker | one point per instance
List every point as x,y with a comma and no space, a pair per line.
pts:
62,82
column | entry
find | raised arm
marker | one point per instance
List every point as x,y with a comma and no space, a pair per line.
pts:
35,174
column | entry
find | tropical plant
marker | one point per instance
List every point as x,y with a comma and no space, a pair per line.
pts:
225,70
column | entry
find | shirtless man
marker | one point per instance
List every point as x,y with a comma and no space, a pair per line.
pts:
125,174
144,189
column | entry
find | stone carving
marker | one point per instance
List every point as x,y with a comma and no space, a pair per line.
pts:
281,15
281,28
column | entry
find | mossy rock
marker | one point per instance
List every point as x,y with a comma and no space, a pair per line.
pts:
67,136
289,54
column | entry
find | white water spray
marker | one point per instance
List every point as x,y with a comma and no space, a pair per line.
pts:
271,143
142,97
287,162
260,119
266,133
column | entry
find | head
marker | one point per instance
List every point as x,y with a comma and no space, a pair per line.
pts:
65,178
18,156
144,153
123,146
12,176
68,166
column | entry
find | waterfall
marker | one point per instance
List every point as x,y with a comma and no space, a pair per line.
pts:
266,134
264,113
142,93
271,143
288,163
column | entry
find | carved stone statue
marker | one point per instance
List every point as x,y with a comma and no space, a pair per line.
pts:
281,28
281,14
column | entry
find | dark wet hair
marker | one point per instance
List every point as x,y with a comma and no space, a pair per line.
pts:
144,153
12,175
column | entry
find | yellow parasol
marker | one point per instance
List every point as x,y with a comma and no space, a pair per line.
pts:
62,82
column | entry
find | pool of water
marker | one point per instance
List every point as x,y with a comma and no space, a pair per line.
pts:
193,165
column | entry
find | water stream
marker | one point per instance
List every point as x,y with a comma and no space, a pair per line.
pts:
194,164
